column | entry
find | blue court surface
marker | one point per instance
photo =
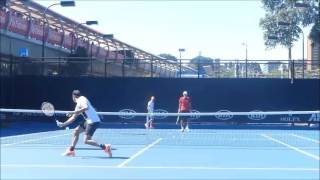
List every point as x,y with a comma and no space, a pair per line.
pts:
165,154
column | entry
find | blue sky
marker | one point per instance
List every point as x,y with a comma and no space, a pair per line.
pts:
213,28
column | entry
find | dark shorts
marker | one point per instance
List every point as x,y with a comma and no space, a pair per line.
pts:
89,128
184,117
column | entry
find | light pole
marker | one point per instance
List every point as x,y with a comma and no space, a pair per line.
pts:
274,38
180,63
302,6
286,24
63,4
76,30
291,63
246,45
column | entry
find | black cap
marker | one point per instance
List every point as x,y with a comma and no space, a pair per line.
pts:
76,92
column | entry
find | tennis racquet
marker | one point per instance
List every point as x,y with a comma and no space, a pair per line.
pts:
48,109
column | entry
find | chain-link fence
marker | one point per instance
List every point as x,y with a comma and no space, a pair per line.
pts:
79,66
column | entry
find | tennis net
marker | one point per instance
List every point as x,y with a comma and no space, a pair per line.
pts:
219,129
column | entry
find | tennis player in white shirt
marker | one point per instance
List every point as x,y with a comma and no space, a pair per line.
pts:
89,125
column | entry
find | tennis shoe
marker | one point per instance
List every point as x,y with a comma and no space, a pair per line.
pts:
108,149
69,153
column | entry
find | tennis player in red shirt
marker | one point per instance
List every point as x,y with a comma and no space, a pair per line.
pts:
184,107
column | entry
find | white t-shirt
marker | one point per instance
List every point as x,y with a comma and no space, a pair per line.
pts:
150,106
90,115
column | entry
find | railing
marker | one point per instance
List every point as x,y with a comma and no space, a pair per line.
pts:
64,66
61,34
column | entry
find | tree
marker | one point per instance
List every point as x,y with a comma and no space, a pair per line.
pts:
200,61
168,57
315,34
283,19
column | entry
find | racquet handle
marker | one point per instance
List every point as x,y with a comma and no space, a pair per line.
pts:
59,123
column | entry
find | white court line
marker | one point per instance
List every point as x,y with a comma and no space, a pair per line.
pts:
29,134
126,132
157,167
32,140
291,147
306,138
139,153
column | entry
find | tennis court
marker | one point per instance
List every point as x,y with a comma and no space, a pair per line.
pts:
215,153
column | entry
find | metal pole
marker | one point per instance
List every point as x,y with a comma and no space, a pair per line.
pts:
198,69
105,67
302,55
180,65
59,71
43,41
72,47
237,68
73,39
43,36
106,60
11,61
91,59
246,60
151,67
43,44
122,69
290,67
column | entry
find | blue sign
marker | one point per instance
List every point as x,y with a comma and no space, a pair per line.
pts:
23,52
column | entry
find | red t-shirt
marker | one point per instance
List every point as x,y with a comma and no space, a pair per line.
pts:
185,104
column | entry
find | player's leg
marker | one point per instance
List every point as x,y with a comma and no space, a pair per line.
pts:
187,125
90,130
147,122
75,136
74,140
151,121
182,124
151,124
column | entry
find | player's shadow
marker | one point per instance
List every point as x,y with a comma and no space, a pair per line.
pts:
102,157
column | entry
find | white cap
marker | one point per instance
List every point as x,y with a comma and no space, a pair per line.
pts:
185,93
